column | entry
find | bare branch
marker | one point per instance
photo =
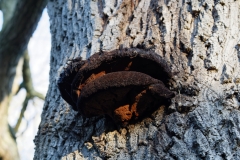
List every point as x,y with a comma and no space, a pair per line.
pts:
14,38
23,23
25,103
7,7
28,85
39,95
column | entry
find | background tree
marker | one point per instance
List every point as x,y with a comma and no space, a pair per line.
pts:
198,39
20,20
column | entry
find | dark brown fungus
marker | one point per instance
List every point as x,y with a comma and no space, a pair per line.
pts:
66,78
123,84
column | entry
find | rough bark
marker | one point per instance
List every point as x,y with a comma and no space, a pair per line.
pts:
198,39
14,37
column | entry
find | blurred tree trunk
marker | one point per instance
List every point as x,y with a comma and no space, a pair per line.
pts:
19,24
199,40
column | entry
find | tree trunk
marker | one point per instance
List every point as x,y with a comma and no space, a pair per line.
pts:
200,42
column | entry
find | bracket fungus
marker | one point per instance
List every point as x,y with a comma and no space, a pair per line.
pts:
123,84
